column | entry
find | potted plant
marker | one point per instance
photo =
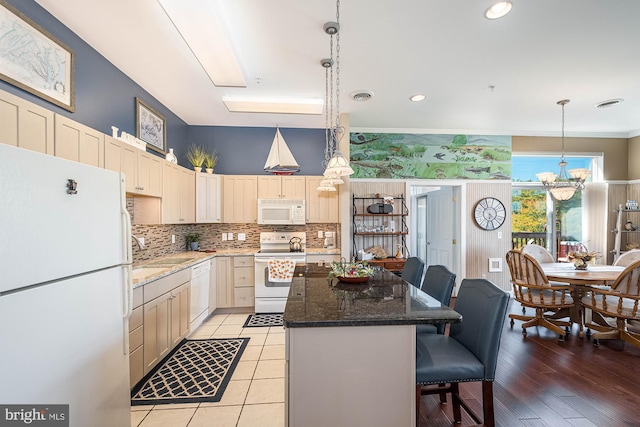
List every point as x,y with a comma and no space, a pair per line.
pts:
196,156
193,241
210,161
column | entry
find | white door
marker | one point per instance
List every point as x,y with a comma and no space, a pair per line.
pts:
440,214
48,234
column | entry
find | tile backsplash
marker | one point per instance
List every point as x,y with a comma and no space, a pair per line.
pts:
157,238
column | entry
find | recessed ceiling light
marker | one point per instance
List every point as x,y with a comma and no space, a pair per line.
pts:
361,95
609,103
498,10
273,105
418,97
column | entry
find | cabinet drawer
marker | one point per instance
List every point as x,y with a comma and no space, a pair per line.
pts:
243,261
136,338
243,297
137,316
136,366
394,265
153,290
243,276
138,296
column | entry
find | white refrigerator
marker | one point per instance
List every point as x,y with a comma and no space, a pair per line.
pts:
65,287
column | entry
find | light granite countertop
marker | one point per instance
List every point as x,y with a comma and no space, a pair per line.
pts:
157,268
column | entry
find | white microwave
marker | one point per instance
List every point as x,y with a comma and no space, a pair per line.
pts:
281,211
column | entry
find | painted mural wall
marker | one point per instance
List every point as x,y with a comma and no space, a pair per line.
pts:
430,156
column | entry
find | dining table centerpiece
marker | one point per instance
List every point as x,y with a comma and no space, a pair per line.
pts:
581,259
351,271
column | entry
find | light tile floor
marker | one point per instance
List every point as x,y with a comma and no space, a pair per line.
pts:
253,398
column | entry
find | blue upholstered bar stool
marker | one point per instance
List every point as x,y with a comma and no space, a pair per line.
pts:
438,282
469,353
412,271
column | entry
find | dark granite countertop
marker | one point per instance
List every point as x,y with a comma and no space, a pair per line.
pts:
316,301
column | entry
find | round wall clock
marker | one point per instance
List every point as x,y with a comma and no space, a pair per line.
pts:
489,213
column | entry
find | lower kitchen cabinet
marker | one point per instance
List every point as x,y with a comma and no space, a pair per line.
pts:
224,282
166,316
243,281
234,281
136,339
322,259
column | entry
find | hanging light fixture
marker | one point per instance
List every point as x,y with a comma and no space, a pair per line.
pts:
334,161
563,186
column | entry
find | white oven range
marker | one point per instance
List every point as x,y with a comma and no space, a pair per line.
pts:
271,297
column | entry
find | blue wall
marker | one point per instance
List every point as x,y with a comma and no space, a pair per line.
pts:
105,97
243,151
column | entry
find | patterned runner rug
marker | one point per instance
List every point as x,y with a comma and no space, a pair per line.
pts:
263,319
195,371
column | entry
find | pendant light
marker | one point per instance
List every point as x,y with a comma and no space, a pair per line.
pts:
562,186
334,161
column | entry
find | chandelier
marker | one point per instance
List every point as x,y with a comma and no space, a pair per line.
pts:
335,164
563,186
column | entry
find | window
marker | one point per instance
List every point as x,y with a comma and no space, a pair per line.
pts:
537,217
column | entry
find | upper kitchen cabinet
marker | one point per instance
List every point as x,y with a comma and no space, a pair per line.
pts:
322,206
25,125
208,200
240,199
281,187
77,142
143,170
178,194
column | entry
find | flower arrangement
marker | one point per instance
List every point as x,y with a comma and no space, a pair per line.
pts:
580,259
350,269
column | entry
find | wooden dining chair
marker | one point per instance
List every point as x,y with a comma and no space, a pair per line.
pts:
532,289
468,354
628,258
541,254
619,306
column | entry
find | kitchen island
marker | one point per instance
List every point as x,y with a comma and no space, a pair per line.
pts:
350,348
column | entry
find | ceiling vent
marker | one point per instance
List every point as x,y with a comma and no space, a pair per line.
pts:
609,103
361,95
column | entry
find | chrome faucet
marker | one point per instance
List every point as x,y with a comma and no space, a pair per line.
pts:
139,242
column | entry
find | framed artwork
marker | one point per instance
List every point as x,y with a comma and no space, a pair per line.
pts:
35,61
151,127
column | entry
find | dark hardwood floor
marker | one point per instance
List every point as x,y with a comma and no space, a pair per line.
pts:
541,381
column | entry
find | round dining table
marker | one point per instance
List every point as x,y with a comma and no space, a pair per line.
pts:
595,274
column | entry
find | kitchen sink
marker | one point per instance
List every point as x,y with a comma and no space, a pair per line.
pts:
140,273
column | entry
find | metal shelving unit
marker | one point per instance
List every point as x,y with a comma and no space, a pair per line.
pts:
620,231
387,230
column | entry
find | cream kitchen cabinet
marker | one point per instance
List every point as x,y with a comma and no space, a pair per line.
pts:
165,315
213,279
208,200
224,282
136,338
243,281
77,142
322,259
178,194
143,170
281,187
240,199
322,206
26,125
